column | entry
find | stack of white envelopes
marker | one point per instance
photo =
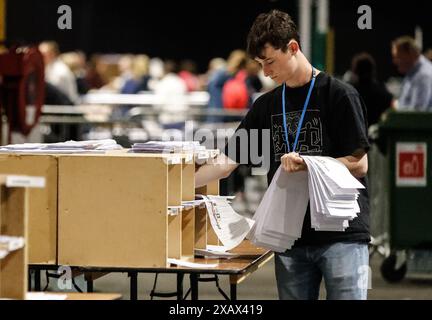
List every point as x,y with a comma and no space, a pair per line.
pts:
332,192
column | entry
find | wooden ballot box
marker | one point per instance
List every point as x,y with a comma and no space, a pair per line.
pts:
42,228
124,210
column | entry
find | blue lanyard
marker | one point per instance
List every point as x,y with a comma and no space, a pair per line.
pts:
302,116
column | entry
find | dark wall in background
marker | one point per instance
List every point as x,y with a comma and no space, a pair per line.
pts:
389,21
198,30
201,30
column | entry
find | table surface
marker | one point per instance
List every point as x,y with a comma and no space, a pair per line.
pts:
249,256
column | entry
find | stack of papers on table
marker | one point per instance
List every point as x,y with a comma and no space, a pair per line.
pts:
215,252
87,146
167,146
327,184
189,147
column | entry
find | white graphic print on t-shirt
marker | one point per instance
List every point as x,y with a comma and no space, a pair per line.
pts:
310,138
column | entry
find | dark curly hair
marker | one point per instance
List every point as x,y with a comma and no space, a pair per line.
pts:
275,28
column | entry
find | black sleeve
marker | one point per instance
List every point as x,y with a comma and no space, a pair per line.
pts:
246,143
349,125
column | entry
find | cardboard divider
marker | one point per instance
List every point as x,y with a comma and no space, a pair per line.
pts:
174,184
188,232
200,228
175,236
210,189
42,215
13,222
175,221
188,216
188,181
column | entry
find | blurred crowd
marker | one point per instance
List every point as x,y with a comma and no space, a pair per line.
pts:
71,74
231,82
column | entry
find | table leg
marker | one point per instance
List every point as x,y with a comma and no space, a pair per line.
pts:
37,283
89,285
233,289
180,277
194,286
133,285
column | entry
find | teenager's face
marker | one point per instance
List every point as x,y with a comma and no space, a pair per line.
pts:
278,65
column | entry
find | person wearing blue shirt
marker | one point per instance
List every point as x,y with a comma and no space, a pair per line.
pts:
416,90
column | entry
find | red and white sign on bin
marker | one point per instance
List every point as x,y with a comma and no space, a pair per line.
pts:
411,164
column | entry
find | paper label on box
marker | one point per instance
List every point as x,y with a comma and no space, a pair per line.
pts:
25,181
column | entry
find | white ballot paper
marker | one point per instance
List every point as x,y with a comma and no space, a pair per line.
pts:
230,227
333,194
45,296
68,147
279,217
9,244
327,185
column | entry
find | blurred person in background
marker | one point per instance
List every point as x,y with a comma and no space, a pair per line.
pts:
57,73
76,61
236,62
214,65
187,73
253,79
139,75
93,75
374,93
416,90
171,91
124,63
156,72
428,54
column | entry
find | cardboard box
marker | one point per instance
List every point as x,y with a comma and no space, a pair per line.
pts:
113,210
42,225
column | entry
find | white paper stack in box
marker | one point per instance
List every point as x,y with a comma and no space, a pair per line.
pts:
332,192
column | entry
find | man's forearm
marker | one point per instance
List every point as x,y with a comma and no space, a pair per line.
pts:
356,164
219,168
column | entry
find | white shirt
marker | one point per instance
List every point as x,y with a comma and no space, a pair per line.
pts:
59,75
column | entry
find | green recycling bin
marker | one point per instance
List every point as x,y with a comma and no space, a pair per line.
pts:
406,140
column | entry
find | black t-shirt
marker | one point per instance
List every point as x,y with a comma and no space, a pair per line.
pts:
335,125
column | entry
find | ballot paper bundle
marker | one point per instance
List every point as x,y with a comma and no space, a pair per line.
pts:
333,194
87,146
167,147
174,147
230,227
329,188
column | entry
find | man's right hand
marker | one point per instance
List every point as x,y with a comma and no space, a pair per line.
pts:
292,162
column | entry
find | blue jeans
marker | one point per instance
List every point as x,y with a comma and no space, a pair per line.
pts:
344,267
